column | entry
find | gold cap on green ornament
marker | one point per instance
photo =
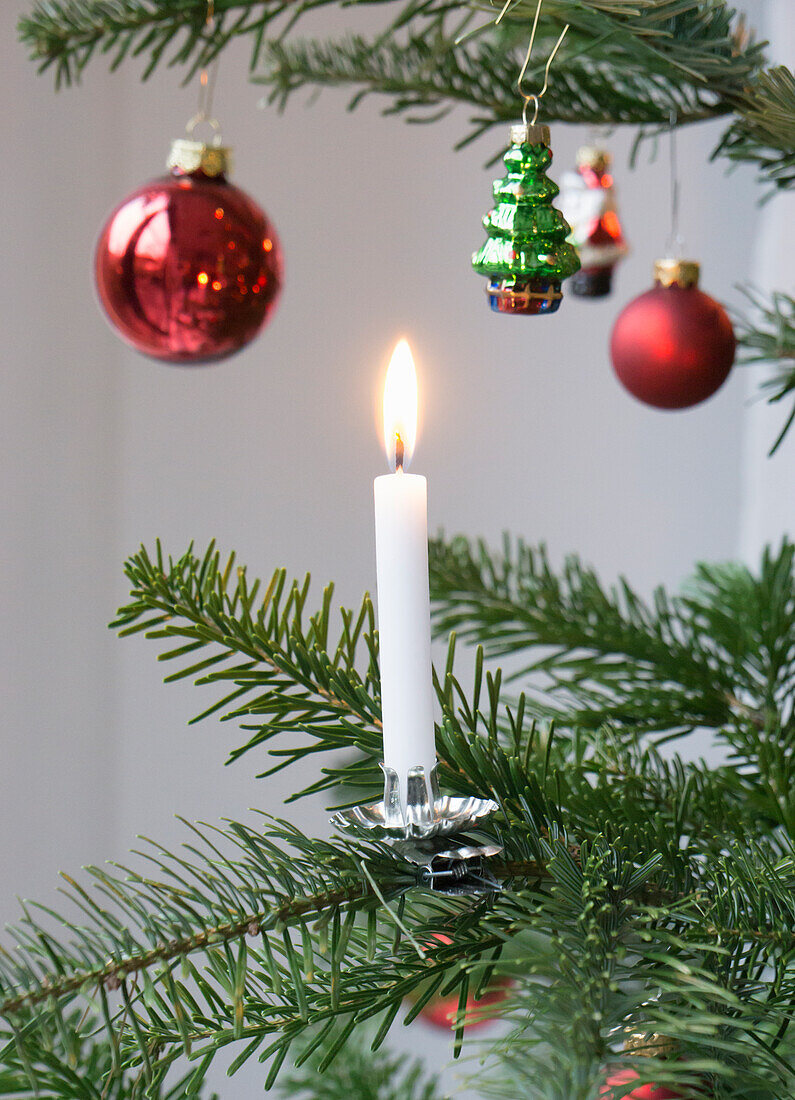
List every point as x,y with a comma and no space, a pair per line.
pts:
682,273
529,133
197,156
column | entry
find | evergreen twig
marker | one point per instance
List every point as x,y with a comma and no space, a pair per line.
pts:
768,336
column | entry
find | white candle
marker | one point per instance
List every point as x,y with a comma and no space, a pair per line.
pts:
404,609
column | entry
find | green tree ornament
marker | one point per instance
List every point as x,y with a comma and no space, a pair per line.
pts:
526,256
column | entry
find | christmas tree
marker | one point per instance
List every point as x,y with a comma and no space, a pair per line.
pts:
642,905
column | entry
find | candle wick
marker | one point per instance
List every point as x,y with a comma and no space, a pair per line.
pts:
398,452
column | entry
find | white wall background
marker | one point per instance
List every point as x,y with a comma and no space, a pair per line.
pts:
273,452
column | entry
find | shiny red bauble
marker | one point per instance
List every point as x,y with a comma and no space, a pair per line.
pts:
642,1092
674,345
188,267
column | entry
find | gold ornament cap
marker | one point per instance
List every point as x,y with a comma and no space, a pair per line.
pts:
188,156
591,156
529,133
682,273
650,1045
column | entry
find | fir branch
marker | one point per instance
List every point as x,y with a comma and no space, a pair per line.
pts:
623,64
275,1000
712,656
283,673
280,991
113,973
768,336
327,975
638,63
209,902
73,1067
764,132
275,662
617,658
216,904
66,34
424,81
295,678
588,983
721,655
633,63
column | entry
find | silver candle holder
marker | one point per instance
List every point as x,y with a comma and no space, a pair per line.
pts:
430,831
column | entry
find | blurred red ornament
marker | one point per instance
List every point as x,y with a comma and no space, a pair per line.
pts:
188,267
673,346
442,1011
642,1092
588,203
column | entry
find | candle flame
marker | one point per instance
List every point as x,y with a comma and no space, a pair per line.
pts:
400,407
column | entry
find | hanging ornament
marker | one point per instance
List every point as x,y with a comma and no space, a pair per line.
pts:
673,346
587,200
188,267
526,256
442,1011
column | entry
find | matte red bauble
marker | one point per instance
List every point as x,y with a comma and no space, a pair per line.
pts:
189,268
642,1092
674,345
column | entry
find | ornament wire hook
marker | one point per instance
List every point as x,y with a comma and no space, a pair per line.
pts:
675,245
207,82
534,97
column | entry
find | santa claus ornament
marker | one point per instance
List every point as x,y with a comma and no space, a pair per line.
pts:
587,201
673,346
